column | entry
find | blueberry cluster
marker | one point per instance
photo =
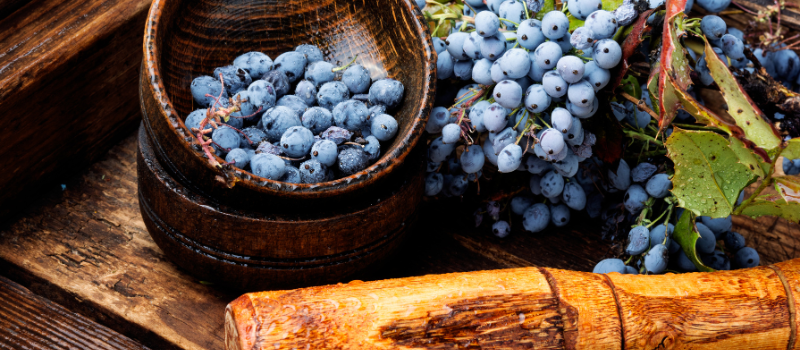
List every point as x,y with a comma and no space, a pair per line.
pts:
532,84
296,119
658,251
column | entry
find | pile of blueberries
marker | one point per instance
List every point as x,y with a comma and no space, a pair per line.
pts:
301,119
532,82
661,252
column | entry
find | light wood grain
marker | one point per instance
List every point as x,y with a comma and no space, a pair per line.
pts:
527,308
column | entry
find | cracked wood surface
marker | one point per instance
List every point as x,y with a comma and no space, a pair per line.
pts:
28,321
87,248
528,308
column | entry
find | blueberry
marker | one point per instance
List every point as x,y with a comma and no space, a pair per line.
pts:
226,138
279,82
445,64
638,240
714,6
277,120
656,259
236,79
643,171
317,119
292,175
325,152
635,197
530,34
352,160
292,64
384,127
536,218
331,94
307,92
194,119
746,257
255,135
313,53
255,63
434,182
239,157
319,73
296,142
388,92
602,23
734,241
501,229
205,85
312,171
554,25
351,115
609,266
268,166
356,78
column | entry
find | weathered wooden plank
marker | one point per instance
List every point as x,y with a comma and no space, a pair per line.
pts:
28,321
68,88
90,251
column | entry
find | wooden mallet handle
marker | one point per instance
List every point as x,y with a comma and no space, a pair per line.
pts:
528,308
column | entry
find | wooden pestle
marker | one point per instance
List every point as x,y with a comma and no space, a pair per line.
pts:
528,308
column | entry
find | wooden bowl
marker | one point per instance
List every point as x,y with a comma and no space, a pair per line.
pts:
261,233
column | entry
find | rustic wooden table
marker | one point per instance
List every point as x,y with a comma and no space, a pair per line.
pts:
87,249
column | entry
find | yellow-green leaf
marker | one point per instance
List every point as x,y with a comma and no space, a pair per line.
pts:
686,235
747,157
549,5
631,86
773,206
792,150
708,174
746,114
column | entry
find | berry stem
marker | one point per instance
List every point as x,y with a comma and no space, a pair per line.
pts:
509,21
345,66
640,104
643,137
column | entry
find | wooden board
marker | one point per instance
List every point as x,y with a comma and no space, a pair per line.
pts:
87,248
68,88
28,321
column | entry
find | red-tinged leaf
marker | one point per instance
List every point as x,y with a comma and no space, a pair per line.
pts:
789,188
673,66
630,46
610,137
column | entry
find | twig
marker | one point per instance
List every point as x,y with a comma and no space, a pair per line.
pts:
640,104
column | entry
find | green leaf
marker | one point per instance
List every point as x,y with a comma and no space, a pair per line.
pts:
686,235
708,174
549,5
740,107
608,5
792,150
631,86
773,206
747,157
